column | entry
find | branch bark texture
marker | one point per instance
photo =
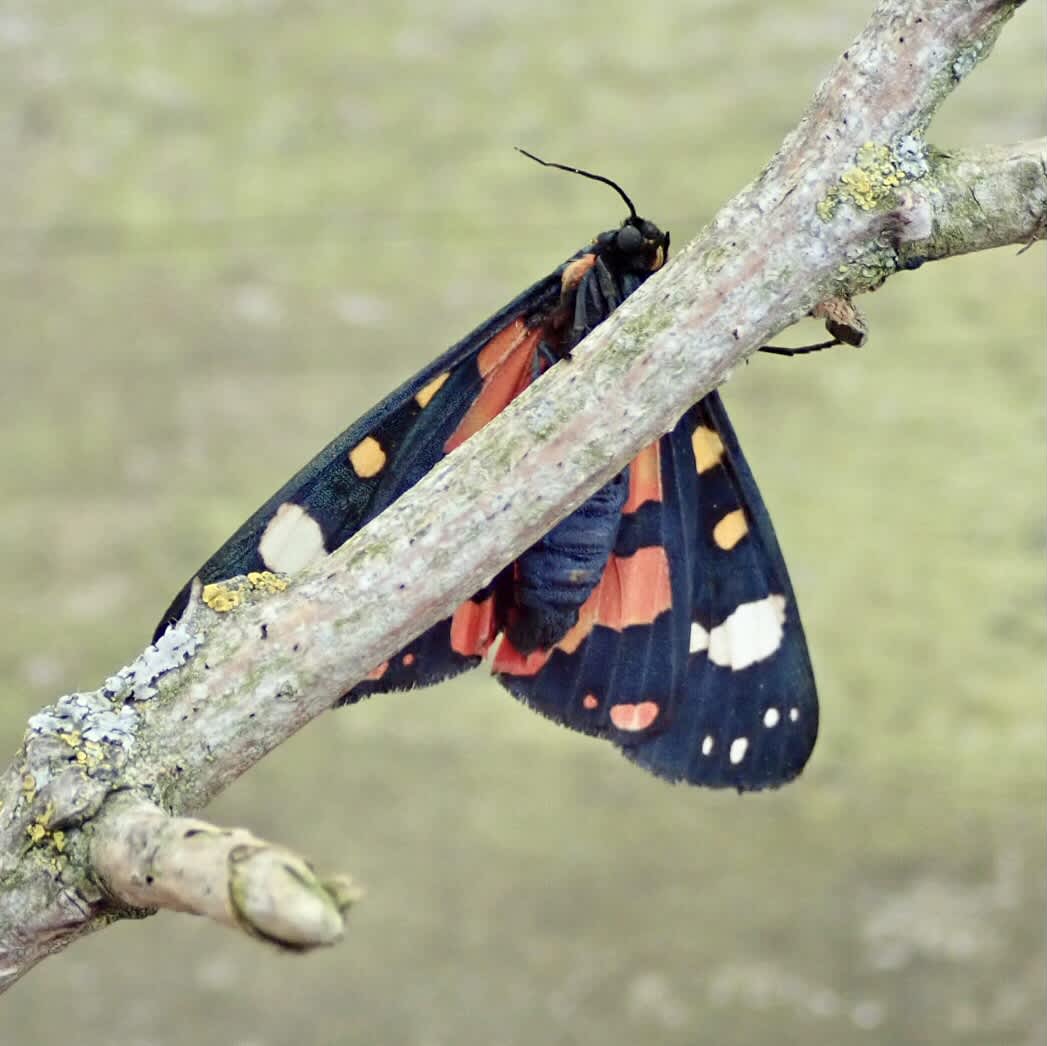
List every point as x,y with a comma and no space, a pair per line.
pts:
852,195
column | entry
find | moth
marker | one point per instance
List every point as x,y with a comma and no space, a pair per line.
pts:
658,615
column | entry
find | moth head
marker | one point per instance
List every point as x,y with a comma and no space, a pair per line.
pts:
639,244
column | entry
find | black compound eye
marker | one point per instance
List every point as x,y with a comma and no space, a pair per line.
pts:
629,239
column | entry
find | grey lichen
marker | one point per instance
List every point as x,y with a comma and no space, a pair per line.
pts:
910,156
136,681
87,717
966,60
77,748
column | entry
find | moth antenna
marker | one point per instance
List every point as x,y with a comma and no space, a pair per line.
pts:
585,174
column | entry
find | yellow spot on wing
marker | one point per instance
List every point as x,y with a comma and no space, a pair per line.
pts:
730,530
367,457
424,395
708,448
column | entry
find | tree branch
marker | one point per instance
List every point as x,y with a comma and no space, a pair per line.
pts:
973,200
852,195
148,860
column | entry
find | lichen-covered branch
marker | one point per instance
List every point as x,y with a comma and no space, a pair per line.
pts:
852,195
973,200
80,842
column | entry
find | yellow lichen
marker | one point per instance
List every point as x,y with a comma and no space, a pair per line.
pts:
39,834
267,581
221,598
869,184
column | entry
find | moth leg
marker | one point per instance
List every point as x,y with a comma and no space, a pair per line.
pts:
800,350
607,285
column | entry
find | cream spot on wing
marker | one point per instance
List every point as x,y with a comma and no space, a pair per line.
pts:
707,745
699,638
425,394
367,457
771,717
751,633
292,540
739,746
708,448
731,529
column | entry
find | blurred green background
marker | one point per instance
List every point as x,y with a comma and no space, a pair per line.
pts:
232,225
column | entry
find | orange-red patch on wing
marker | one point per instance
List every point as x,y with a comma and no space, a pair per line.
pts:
378,671
590,701
634,590
510,661
494,353
472,628
645,479
634,718
505,364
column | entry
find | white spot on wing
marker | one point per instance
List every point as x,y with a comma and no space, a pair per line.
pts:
771,717
292,540
707,745
752,632
739,746
794,714
699,638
